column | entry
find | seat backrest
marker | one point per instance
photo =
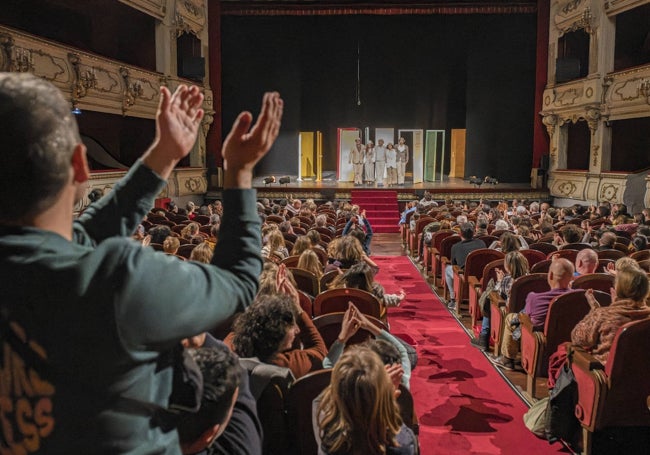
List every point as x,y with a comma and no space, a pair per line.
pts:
306,281
291,261
600,281
544,247
336,300
490,271
568,254
628,370
157,246
269,385
564,312
610,254
641,255
277,219
422,222
645,265
329,327
300,413
488,239
522,286
186,250
533,256
447,243
202,219
327,278
438,237
541,266
478,259
575,246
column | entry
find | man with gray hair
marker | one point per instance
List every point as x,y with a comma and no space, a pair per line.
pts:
89,318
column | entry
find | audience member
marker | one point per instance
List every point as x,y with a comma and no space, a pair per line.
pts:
107,331
459,252
358,412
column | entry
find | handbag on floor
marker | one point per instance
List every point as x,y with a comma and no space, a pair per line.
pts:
561,422
535,418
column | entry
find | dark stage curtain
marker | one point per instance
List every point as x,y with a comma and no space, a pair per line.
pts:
421,72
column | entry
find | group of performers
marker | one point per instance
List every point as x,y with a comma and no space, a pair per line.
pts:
379,164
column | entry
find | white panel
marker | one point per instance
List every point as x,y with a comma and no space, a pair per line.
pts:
346,142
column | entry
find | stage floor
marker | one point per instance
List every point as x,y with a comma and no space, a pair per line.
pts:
456,188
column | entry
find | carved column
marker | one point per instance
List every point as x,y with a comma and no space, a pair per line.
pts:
558,140
166,41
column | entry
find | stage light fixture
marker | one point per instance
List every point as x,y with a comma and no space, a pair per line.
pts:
269,179
285,180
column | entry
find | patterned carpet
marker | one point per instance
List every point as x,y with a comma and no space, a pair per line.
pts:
464,405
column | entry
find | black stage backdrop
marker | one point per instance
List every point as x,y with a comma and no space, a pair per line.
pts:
422,72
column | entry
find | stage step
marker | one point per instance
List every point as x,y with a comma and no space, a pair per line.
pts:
381,208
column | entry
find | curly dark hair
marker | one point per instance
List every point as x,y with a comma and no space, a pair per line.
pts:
259,331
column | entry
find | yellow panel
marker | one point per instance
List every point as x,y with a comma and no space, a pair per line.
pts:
457,164
307,154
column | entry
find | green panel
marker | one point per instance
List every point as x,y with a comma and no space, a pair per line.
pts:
430,156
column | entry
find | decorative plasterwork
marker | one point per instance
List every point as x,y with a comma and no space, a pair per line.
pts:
190,16
191,181
569,185
572,95
613,7
89,81
628,93
571,15
550,122
155,8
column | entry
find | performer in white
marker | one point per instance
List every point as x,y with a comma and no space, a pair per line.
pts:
380,162
369,162
402,159
391,165
356,159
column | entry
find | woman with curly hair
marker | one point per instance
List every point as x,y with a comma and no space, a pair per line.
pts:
358,413
268,328
346,251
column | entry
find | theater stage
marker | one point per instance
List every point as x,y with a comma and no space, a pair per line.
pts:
456,188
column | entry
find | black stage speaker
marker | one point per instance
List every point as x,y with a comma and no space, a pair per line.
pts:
567,69
192,68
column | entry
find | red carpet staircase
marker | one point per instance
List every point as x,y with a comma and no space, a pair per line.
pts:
381,208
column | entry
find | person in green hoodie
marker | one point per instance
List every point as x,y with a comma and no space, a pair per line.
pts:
89,317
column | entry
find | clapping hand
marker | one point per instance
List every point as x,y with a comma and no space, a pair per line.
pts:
177,122
245,146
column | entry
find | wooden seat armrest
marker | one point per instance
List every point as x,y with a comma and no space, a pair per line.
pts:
585,360
496,300
525,322
474,282
435,251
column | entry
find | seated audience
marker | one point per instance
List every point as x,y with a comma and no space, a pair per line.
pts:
358,413
514,266
560,275
202,253
227,420
309,261
268,328
459,253
274,250
302,244
586,262
393,355
596,331
171,244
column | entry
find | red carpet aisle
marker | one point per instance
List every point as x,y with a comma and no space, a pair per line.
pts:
464,406
381,208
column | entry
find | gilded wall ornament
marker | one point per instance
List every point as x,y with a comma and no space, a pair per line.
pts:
608,192
567,188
